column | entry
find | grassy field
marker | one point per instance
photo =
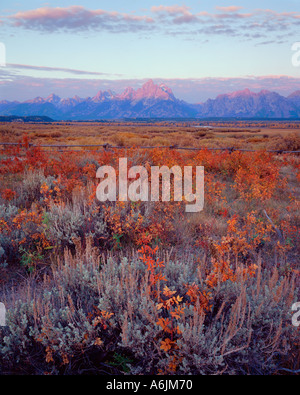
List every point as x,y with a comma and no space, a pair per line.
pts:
248,135
145,287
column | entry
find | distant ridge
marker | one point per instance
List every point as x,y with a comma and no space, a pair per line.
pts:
156,101
31,119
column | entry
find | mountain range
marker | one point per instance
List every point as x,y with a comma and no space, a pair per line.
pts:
157,101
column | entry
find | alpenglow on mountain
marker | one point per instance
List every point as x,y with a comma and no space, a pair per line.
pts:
157,101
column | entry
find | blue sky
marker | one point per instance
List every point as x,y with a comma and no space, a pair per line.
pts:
199,48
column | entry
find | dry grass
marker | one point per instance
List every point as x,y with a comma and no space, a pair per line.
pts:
184,134
67,261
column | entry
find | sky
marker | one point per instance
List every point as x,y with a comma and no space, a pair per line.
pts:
198,48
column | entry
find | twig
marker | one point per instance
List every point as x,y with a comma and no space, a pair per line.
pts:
290,371
274,226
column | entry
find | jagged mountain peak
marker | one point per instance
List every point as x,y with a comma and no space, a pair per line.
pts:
53,98
36,100
294,94
242,93
103,95
128,94
152,91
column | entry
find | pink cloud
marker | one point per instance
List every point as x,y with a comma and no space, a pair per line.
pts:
171,10
76,17
163,19
231,8
181,14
